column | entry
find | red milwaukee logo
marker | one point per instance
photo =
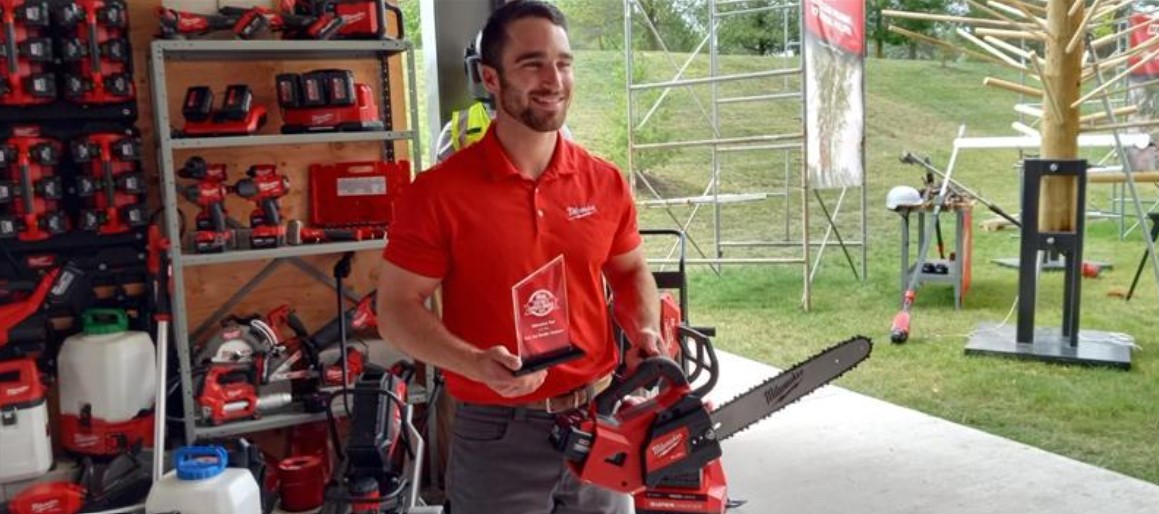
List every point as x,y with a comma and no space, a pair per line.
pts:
14,391
46,506
664,447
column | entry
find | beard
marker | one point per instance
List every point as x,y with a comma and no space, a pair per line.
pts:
517,103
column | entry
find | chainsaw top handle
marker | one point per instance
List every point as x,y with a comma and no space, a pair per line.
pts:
699,357
648,372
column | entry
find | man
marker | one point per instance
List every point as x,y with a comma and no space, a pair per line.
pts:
477,224
467,126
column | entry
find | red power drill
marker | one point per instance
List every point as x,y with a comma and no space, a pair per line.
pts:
264,186
212,234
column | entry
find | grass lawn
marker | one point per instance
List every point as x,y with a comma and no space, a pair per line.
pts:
1103,417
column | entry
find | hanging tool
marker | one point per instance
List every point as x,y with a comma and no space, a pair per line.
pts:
899,331
158,264
645,445
909,158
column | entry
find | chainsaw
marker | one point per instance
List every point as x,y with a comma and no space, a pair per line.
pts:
665,450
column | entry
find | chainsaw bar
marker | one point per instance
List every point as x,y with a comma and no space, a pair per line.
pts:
781,390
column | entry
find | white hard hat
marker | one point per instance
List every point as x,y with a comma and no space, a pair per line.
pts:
902,196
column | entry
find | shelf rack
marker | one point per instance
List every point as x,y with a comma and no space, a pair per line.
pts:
163,51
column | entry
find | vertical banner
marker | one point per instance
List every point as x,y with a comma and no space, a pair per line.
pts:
1146,98
834,57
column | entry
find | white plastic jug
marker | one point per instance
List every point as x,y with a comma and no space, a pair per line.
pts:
108,368
202,484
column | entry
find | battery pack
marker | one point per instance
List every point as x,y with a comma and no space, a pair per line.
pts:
349,194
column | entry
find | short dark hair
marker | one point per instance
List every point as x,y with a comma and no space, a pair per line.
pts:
495,32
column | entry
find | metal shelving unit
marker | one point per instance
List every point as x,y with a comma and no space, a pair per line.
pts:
285,419
161,53
289,139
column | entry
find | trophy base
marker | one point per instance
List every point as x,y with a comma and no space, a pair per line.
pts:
549,359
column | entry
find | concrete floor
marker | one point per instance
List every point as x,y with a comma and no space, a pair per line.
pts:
840,452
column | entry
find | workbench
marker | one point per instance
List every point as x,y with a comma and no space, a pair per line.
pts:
958,258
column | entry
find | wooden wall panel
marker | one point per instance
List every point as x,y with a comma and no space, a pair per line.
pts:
209,286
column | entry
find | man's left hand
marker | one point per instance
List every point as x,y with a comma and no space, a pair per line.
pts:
645,344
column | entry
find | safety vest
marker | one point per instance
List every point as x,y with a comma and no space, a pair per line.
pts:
469,126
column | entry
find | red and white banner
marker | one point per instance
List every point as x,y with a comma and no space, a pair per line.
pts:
1140,36
834,55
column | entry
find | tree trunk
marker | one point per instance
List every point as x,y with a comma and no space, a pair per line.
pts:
879,52
913,50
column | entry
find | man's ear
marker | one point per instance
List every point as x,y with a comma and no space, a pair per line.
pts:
490,78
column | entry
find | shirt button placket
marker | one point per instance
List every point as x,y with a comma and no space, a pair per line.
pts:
538,208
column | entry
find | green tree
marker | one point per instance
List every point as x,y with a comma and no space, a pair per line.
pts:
762,33
411,23
594,24
877,26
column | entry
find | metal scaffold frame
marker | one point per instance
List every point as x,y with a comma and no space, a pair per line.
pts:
780,145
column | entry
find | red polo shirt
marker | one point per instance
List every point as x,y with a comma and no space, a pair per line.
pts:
477,224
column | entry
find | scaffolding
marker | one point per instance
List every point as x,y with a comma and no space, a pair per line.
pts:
733,193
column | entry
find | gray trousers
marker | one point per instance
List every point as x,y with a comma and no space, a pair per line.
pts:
502,463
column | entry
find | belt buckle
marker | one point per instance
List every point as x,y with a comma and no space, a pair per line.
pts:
551,408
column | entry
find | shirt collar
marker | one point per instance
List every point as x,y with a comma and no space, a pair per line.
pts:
499,166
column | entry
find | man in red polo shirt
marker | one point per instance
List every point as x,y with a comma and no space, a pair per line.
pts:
481,221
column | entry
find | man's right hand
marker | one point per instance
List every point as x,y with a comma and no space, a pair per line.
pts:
495,367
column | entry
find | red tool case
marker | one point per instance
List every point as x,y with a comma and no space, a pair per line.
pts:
350,194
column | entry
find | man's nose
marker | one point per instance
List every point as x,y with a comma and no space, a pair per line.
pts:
551,76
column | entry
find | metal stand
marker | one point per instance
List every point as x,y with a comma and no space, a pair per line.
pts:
1064,345
957,269
1143,262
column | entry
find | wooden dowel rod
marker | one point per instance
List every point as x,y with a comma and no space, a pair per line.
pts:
1011,86
1082,29
994,51
1037,21
1116,126
1028,110
954,19
1089,118
1074,7
1119,178
1111,38
938,42
1025,129
1006,8
1114,60
991,11
1007,46
1114,79
1012,34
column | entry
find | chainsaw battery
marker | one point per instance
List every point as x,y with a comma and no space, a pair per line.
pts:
313,90
340,87
198,104
32,14
113,14
36,49
24,429
289,86
41,85
356,193
238,102
237,115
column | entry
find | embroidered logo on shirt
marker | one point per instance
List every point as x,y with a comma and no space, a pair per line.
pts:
583,211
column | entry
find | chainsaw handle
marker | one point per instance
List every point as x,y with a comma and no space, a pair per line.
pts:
649,370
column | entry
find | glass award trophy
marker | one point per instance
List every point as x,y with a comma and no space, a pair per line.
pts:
541,318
